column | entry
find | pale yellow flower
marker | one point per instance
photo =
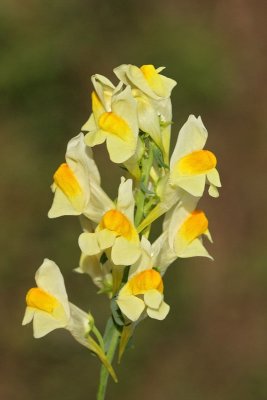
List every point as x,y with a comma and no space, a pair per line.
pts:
49,308
143,293
152,92
183,231
146,78
114,120
116,230
191,166
76,184
148,116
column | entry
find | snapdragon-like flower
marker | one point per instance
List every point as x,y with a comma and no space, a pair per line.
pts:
152,92
114,120
49,308
143,292
183,230
191,168
186,226
101,100
76,184
190,165
116,230
147,78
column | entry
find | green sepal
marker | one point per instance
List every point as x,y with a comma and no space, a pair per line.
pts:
116,313
96,349
126,335
125,274
145,190
165,124
103,258
159,158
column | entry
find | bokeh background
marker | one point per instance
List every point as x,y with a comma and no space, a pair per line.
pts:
213,345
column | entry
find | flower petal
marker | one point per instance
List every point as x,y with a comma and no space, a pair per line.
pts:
95,137
159,314
43,323
131,306
49,278
28,316
192,137
194,185
153,298
213,191
195,249
89,244
125,252
61,205
125,202
106,238
148,118
214,177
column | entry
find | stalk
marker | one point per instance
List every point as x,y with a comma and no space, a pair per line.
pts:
111,336
111,340
147,163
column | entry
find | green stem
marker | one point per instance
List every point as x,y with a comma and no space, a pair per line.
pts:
111,342
147,163
111,336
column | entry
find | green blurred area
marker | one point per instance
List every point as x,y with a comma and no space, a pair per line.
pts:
213,345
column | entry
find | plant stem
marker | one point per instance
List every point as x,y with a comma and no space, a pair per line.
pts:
147,163
111,337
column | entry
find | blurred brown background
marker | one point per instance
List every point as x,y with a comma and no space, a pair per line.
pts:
213,345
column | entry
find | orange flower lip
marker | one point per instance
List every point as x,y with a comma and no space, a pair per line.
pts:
197,162
144,281
114,124
67,182
38,298
194,226
117,222
152,77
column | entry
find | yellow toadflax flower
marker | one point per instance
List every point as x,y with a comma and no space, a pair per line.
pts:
115,230
143,292
101,100
191,168
144,289
190,165
146,78
114,120
77,183
49,308
183,229
152,92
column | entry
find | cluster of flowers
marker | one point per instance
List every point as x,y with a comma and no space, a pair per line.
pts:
134,119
